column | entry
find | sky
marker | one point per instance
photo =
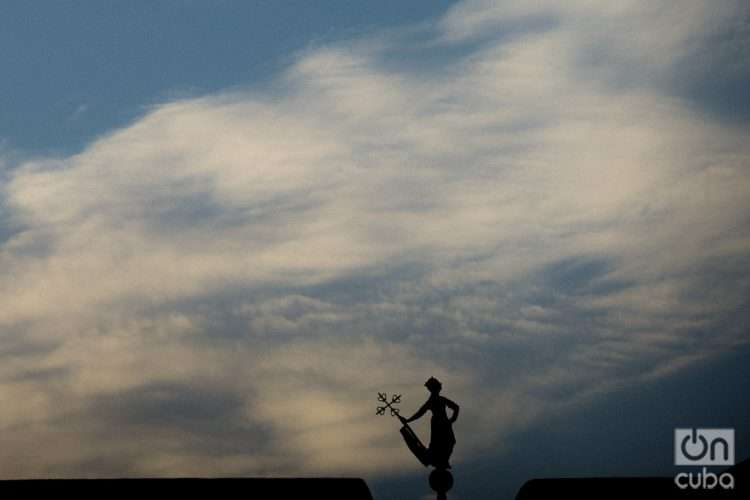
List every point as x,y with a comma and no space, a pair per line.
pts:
226,226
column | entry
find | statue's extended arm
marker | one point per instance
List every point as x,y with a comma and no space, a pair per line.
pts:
417,415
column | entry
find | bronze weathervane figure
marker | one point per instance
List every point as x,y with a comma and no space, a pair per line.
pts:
442,438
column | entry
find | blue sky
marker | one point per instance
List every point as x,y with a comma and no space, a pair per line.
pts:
226,226
73,70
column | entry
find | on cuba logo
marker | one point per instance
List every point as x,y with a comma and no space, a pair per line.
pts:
704,447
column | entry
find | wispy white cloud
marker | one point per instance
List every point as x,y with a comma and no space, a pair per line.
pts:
517,222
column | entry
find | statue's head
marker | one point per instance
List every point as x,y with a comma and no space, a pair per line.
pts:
433,385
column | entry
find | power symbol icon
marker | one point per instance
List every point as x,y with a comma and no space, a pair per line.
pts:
693,438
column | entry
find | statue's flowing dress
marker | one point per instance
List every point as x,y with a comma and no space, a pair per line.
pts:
442,439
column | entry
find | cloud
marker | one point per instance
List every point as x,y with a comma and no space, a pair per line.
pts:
692,50
232,278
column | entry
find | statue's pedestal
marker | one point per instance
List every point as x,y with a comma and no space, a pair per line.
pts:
441,481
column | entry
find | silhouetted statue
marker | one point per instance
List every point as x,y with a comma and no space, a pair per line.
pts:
442,439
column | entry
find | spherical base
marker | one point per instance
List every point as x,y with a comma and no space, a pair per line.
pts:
441,480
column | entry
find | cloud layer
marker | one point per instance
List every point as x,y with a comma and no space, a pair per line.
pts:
518,201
